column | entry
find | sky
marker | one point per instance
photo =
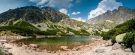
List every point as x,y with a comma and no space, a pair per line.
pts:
81,10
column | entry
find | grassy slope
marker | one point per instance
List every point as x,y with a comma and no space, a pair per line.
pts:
24,28
128,26
25,24
65,29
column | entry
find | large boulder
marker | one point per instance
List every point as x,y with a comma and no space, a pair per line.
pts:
116,46
133,47
119,38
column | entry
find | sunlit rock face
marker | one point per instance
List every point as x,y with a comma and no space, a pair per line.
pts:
104,6
117,16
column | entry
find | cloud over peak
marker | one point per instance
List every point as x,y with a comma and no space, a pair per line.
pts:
103,7
53,3
39,2
76,13
79,19
65,11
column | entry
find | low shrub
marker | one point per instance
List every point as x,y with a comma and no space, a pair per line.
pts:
129,39
1,53
105,35
113,39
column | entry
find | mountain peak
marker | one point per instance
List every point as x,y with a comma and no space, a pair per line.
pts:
29,7
119,15
33,14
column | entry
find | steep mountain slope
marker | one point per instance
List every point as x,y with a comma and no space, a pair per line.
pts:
117,16
32,14
31,20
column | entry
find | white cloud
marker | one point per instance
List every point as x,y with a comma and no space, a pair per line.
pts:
75,13
103,7
53,3
39,2
65,11
79,19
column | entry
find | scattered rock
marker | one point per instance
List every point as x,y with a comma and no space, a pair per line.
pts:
20,44
8,48
25,46
74,49
116,54
127,50
109,43
64,48
119,38
38,50
9,54
33,45
3,41
133,47
116,46
99,50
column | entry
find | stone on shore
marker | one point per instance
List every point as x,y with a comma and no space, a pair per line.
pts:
99,50
133,47
33,45
116,46
128,50
65,48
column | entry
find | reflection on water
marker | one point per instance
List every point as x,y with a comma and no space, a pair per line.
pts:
55,43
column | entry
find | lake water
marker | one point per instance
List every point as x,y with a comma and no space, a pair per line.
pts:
55,43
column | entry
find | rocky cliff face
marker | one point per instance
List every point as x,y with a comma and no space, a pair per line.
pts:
117,16
32,14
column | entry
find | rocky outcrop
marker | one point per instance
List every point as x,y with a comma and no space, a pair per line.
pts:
32,14
118,16
116,46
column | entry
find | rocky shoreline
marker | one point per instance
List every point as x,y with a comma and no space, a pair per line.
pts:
97,47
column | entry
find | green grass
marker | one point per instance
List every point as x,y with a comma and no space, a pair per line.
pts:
18,30
78,32
1,53
25,24
26,29
129,39
56,27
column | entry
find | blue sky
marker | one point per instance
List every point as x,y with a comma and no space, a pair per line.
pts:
76,9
